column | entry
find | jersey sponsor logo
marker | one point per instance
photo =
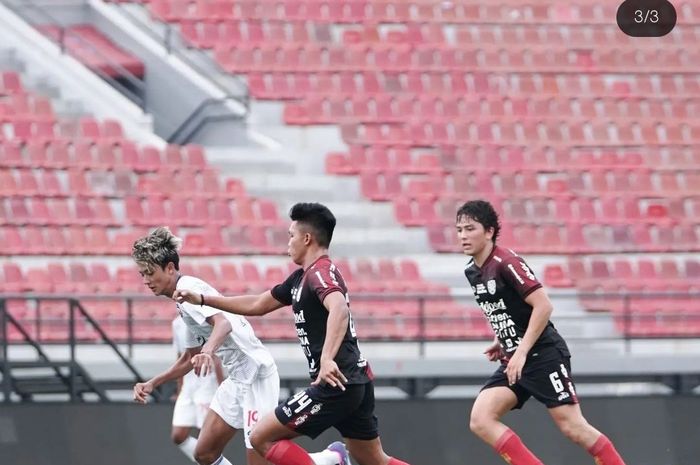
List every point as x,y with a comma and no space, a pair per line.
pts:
515,273
490,307
296,294
562,396
287,411
528,272
491,286
200,340
300,419
315,409
299,317
480,289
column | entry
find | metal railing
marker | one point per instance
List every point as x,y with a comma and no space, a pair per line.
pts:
31,337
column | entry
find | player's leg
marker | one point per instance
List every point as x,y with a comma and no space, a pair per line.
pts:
184,418
223,420
570,420
213,437
361,433
182,439
308,413
485,421
489,407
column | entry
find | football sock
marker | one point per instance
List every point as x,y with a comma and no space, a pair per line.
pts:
325,457
393,461
187,447
285,452
512,450
604,452
221,461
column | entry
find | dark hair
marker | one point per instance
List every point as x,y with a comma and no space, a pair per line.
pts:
318,217
482,212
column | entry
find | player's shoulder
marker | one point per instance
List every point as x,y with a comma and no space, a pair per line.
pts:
323,263
195,284
504,255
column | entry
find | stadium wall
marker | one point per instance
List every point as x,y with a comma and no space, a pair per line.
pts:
646,430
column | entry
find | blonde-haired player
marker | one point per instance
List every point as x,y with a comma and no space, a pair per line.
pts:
252,387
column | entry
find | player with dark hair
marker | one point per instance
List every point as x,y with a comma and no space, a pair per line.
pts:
341,394
535,360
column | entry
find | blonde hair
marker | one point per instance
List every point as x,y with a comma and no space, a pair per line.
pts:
159,248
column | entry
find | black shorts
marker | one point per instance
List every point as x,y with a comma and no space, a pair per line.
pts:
546,376
317,408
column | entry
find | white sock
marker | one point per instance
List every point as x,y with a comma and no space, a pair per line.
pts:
221,461
325,457
187,447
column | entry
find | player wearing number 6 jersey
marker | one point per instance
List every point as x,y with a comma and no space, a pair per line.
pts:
534,358
341,393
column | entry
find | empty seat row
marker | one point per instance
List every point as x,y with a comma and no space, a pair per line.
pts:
242,59
98,153
388,108
295,85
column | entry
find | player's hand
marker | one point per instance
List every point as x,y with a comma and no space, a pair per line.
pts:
183,295
514,370
203,364
329,373
494,351
141,391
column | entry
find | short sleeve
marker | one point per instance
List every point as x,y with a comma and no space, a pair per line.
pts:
283,292
190,340
199,313
519,276
323,281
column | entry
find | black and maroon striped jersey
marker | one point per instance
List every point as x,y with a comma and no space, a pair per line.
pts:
501,286
305,291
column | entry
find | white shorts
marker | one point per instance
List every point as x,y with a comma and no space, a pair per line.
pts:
188,411
242,405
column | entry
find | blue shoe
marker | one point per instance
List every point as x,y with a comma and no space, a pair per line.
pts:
339,448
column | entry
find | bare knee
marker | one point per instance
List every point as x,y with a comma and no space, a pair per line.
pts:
179,435
575,430
481,424
260,443
205,456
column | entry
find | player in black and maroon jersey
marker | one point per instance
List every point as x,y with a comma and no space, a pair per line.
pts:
341,393
535,359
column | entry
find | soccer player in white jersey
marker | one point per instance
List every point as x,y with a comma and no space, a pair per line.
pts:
194,394
252,387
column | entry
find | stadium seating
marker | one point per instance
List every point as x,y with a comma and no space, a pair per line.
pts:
435,315
567,119
585,139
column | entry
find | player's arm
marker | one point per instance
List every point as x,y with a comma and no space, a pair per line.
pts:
541,312
204,362
179,380
246,305
219,370
180,368
336,327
